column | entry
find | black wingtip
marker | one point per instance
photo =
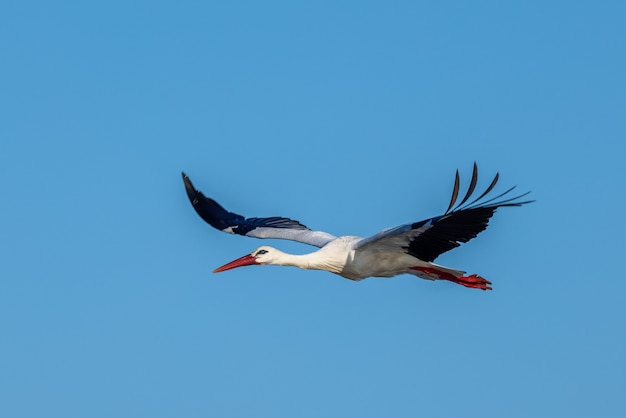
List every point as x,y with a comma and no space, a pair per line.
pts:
471,187
191,191
479,202
207,208
455,191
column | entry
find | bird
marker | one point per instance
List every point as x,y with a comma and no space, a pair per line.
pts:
410,248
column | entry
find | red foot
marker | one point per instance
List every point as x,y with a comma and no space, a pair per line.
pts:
474,281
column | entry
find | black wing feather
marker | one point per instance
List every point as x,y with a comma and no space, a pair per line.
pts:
491,186
449,232
218,217
462,224
455,191
471,188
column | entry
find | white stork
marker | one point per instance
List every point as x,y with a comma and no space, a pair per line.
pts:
410,248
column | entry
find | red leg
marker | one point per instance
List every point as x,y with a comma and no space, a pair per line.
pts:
474,281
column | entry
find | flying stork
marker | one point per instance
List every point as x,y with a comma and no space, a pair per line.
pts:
410,248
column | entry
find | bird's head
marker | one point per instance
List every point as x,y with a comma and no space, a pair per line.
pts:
262,255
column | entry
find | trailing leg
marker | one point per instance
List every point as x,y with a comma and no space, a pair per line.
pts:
474,281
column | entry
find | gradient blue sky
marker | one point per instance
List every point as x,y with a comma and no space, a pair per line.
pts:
350,117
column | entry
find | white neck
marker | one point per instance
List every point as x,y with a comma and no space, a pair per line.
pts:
311,261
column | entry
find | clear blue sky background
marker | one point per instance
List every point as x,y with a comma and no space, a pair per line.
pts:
350,117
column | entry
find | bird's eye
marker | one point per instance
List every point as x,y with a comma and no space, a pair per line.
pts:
261,252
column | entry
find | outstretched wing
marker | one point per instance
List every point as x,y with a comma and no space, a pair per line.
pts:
274,227
430,238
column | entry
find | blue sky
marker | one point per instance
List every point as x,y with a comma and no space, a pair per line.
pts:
350,117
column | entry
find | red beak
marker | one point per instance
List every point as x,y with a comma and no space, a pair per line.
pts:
246,260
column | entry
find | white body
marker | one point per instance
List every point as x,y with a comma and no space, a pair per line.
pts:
340,257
